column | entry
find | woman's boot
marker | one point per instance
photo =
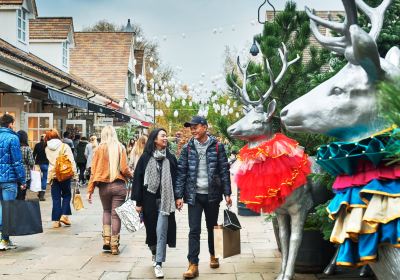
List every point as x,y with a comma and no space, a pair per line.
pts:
106,237
115,244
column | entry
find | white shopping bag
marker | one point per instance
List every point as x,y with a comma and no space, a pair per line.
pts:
36,183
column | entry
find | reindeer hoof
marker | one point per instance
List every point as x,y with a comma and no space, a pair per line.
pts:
330,269
280,277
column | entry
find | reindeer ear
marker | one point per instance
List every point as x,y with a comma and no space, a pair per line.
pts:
271,108
365,53
393,56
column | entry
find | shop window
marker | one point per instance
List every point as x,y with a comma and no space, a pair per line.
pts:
36,125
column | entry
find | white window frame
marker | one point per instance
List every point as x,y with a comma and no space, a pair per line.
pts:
22,25
32,142
77,122
65,53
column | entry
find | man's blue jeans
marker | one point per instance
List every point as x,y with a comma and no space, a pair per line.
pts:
8,191
44,168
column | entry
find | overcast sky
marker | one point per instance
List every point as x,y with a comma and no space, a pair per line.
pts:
200,50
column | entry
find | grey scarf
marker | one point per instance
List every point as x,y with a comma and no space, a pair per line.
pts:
153,175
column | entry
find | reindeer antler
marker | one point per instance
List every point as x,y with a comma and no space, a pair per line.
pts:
242,94
339,44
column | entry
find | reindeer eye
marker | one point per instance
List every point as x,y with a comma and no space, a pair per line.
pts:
336,91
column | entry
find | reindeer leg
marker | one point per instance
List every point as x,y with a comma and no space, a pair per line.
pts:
297,224
284,233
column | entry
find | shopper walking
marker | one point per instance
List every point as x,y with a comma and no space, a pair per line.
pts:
129,147
60,189
203,178
67,140
81,159
137,151
12,170
39,154
153,186
89,150
110,172
28,162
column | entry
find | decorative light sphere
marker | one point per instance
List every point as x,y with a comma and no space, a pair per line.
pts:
176,113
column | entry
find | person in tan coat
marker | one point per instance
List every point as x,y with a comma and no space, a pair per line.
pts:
110,172
60,191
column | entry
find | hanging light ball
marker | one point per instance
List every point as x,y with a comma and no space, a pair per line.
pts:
176,113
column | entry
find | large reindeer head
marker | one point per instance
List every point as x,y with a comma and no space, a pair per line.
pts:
256,124
345,106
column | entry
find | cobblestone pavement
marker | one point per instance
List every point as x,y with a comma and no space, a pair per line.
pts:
75,252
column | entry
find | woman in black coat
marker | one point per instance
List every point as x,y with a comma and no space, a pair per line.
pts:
153,189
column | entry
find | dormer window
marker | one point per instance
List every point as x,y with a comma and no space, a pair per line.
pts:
65,54
22,25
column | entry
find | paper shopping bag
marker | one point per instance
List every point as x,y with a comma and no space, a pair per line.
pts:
21,217
36,181
226,242
77,201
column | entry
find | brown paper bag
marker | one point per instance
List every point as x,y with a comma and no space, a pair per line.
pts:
77,201
226,242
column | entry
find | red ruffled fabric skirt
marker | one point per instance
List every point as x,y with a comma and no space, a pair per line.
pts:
269,173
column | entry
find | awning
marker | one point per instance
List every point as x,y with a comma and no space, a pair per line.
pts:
122,117
16,82
62,97
99,109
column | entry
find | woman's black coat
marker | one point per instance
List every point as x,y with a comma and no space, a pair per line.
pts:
148,200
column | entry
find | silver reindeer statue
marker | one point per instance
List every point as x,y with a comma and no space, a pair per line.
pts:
345,106
256,127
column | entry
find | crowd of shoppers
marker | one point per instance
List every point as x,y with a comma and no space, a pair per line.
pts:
161,184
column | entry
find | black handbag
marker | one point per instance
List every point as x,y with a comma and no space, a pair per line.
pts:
231,221
21,217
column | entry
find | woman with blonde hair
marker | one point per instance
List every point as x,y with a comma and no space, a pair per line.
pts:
137,151
110,172
89,152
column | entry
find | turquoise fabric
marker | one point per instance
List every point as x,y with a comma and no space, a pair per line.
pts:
353,253
357,253
348,197
342,157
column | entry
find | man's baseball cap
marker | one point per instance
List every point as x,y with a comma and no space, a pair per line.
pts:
196,120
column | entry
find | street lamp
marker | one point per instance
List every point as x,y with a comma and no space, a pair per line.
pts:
254,50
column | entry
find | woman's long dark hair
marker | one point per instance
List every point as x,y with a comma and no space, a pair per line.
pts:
150,145
23,138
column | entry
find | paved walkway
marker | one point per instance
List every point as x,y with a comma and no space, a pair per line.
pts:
75,252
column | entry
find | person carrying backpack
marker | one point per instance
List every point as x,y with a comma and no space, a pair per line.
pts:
62,170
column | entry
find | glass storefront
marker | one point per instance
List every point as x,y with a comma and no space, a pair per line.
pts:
36,125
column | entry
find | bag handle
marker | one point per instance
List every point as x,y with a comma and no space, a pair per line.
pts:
62,149
128,194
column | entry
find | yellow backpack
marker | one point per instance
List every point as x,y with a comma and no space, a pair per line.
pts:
63,167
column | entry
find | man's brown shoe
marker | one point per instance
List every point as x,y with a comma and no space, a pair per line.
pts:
192,272
65,220
214,262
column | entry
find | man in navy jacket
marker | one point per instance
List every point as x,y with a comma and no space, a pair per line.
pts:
203,180
12,170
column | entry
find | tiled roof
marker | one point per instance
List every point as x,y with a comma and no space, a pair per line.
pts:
102,58
19,2
50,27
32,63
